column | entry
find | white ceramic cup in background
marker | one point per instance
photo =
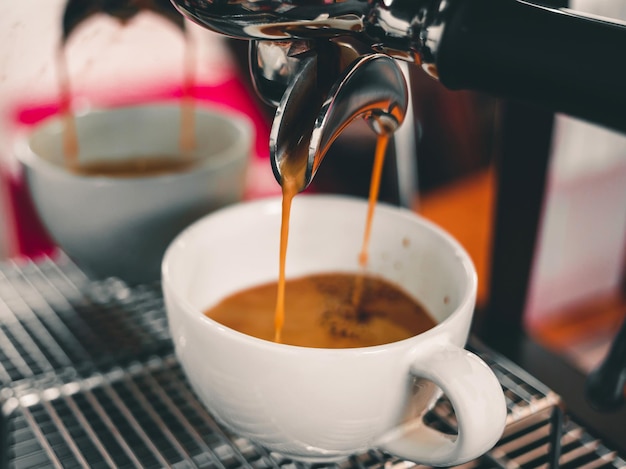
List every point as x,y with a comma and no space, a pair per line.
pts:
318,404
121,226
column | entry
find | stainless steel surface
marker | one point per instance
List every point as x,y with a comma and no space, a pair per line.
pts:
88,379
298,63
54,320
397,27
409,30
313,111
273,65
77,11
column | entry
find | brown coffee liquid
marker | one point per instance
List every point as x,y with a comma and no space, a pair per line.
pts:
322,314
290,189
377,172
187,138
292,181
70,138
135,167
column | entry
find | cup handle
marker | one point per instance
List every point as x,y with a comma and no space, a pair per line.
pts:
479,406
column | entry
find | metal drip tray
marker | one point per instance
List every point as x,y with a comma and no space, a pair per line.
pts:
88,379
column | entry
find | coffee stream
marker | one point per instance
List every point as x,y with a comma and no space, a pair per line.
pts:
70,138
187,112
377,172
293,175
187,139
290,187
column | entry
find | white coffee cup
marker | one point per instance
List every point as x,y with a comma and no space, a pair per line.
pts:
121,226
316,404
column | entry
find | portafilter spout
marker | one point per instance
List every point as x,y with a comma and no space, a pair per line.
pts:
316,107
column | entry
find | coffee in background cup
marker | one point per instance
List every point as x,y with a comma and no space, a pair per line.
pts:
131,190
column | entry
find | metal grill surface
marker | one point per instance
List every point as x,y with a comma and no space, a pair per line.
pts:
88,379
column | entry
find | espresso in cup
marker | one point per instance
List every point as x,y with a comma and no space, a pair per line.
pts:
135,167
317,403
323,312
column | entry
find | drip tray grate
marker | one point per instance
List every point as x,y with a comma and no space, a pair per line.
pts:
88,379
53,319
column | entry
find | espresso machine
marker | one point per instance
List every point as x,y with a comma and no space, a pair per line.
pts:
552,56
324,64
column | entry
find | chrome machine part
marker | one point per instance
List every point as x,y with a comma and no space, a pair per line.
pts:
314,111
303,53
77,11
567,61
398,28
